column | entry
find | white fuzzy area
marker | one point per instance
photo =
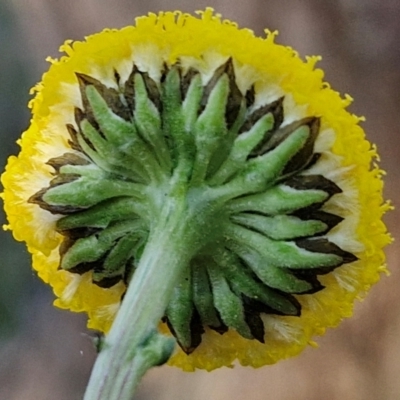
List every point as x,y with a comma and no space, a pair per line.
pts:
124,69
187,62
311,303
344,204
328,163
42,179
346,277
45,220
344,235
71,94
325,140
104,75
266,94
62,113
292,111
56,141
207,65
42,222
246,76
151,59
55,132
71,288
279,329
148,58
42,225
108,312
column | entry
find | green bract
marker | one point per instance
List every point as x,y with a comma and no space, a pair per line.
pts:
224,176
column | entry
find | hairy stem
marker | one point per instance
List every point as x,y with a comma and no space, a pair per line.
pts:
133,344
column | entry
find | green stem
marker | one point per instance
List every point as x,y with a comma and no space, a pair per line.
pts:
132,345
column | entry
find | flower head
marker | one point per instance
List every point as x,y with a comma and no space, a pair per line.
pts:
283,191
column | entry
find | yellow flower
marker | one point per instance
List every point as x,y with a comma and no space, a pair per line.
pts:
258,73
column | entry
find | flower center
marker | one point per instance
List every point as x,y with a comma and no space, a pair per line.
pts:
257,227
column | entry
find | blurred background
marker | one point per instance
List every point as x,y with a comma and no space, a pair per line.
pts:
47,354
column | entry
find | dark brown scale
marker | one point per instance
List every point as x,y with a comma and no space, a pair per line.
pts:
260,307
171,329
250,96
74,143
313,160
196,330
87,266
64,210
110,95
117,76
80,116
129,270
81,268
331,220
309,277
78,233
67,159
152,90
307,274
186,80
276,109
302,158
255,324
37,198
61,179
129,90
221,328
313,182
235,95
283,133
87,112
210,86
326,247
252,311
106,283
65,245
164,72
